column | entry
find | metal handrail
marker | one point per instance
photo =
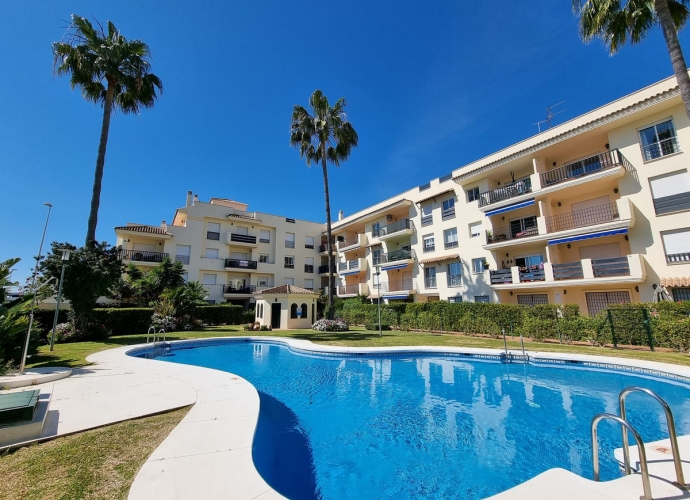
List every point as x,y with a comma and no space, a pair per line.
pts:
155,334
644,469
673,437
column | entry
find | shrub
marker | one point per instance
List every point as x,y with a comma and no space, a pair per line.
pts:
43,321
375,326
328,325
674,333
126,321
228,314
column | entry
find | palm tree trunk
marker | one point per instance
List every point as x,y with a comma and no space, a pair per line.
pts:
329,237
100,162
674,50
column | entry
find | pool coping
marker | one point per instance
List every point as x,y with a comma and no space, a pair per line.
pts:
176,471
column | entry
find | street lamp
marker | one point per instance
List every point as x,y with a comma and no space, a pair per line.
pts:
65,258
33,285
378,299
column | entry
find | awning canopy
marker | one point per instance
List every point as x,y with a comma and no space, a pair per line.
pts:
451,190
588,236
394,265
676,282
509,208
351,272
397,296
439,258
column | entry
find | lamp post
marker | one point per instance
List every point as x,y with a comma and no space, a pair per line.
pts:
378,297
33,285
65,258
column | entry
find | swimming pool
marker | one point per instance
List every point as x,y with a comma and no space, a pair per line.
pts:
436,426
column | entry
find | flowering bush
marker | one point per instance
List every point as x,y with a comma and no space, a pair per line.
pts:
328,325
167,323
65,332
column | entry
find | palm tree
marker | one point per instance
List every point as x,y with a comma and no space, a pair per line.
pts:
324,136
112,71
616,21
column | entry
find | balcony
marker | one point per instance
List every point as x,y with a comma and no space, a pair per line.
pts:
323,270
396,259
352,242
517,188
678,258
351,267
353,290
582,168
308,268
240,264
241,240
234,290
430,282
585,272
402,227
582,218
508,233
212,235
323,248
402,287
143,256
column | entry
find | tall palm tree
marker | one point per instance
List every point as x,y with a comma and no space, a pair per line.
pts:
112,71
323,136
616,21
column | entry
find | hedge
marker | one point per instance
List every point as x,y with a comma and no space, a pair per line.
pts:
228,314
129,321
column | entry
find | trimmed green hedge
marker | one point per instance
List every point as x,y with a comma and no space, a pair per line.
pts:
228,314
127,321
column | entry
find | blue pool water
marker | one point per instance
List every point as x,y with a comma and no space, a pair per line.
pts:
427,426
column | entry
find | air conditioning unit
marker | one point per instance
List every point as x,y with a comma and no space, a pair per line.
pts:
389,217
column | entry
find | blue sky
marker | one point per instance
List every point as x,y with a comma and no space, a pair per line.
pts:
431,86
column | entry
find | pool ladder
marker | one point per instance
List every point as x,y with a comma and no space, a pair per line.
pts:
156,335
627,427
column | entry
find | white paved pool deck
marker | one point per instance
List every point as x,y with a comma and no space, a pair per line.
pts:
208,455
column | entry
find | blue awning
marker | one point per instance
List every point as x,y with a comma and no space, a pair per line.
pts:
394,266
395,296
516,206
588,236
350,272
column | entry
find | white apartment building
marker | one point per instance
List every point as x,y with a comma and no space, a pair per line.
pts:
233,252
593,211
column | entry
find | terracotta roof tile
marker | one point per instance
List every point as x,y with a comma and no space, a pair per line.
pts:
144,229
286,289
440,258
677,281
248,217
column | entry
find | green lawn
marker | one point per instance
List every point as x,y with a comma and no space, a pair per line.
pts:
75,354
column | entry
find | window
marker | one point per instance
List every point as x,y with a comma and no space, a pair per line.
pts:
289,262
427,217
530,261
263,257
448,209
680,294
527,226
478,265
308,242
475,229
211,253
376,256
450,238
289,281
677,246
429,245
671,193
243,230
533,299
303,310
309,284
182,253
289,240
658,140
213,231
293,311
262,281
309,265
264,236
430,277
473,194
209,279
455,299
454,275
599,301
481,298
375,229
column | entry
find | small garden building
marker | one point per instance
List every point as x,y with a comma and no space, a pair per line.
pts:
286,307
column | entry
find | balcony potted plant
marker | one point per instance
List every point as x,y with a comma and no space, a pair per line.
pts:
489,236
485,264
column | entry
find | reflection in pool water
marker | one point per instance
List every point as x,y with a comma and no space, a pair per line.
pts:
427,426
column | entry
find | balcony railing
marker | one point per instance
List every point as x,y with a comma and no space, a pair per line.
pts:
241,264
348,289
617,266
401,225
534,273
308,268
454,279
448,213
568,271
582,168
581,218
450,244
342,266
501,276
430,282
212,235
353,264
324,269
323,248
397,285
242,238
289,244
144,256
182,258
397,255
678,257
429,248
427,220
661,148
236,289
352,240
289,265
520,186
509,233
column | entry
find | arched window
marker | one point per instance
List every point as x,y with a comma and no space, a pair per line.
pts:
261,310
293,311
304,311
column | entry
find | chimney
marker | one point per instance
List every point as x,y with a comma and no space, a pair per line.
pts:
164,225
196,198
340,215
189,199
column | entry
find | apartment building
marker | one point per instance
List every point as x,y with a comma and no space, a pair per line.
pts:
233,252
593,212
